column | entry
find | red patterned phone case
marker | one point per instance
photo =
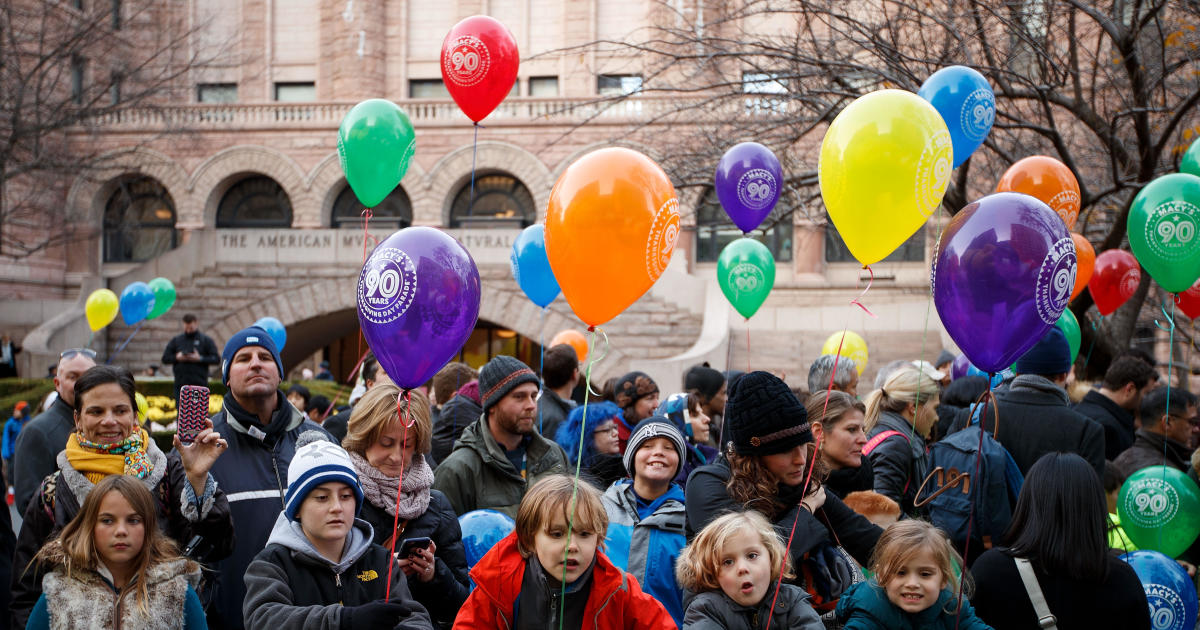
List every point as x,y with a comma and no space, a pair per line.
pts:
193,412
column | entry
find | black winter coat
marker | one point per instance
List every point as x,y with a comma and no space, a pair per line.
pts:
1117,423
457,414
190,373
899,462
843,481
446,592
38,444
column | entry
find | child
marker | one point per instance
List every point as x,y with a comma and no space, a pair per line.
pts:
914,584
320,568
551,571
734,564
113,558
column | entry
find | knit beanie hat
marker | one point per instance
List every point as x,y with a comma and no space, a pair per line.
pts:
648,429
675,409
633,387
318,461
764,417
252,336
704,380
502,375
1049,356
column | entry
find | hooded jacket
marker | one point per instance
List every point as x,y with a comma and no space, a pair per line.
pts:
1154,449
647,541
457,414
291,585
866,607
615,601
899,463
713,610
478,475
253,472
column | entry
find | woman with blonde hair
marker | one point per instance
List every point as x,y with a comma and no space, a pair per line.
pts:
899,417
390,459
839,426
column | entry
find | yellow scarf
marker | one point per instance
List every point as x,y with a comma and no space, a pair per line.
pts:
96,464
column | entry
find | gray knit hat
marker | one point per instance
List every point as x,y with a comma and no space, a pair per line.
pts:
501,375
648,429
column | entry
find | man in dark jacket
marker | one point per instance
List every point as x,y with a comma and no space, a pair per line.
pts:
1035,413
42,438
457,414
1167,424
191,352
1125,382
501,455
261,428
560,374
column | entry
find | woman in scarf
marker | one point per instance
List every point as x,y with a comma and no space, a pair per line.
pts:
389,458
107,440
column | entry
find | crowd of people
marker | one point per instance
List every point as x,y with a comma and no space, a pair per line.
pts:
732,501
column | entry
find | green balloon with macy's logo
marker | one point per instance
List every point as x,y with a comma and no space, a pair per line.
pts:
746,273
1159,508
1163,227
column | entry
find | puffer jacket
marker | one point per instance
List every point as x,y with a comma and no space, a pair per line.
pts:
445,593
714,610
899,462
477,475
616,601
58,499
647,542
291,585
866,607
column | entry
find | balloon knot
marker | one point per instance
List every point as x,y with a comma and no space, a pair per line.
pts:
591,329
856,301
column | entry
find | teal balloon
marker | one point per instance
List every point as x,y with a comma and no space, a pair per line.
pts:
746,273
1190,163
164,296
375,145
1070,327
1163,227
1159,508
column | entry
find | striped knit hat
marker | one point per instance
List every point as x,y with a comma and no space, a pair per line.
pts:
316,462
502,375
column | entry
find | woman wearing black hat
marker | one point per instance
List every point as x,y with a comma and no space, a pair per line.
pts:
766,469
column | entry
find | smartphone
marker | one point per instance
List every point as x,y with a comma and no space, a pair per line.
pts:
411,545
193,412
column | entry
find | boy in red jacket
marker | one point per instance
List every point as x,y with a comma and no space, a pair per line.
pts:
540,575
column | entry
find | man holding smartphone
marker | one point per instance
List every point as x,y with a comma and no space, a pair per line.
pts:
191,352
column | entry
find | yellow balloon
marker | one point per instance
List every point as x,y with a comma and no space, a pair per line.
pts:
854,348
142,406
884,166
101,308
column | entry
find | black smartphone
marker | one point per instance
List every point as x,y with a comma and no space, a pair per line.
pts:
411,545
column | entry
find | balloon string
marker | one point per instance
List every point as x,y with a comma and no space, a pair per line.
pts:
748,346
1170,372
342,387
91,337
541,364
124,343
406,422
962,579
591,351
856,301
474,152
366,215
1092,343
587,386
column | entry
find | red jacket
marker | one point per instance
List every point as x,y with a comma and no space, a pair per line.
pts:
616,600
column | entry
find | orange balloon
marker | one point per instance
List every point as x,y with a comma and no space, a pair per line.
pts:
572,338
610,230
1047,179
1085,256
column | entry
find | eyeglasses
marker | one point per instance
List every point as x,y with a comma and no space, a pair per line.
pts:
87,352
1194,420
608,429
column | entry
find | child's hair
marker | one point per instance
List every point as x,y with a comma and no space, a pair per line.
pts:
904,539
77,544
554,494
699,563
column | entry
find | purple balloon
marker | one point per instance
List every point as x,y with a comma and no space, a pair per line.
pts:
1003,276
959,368
748,183
418,300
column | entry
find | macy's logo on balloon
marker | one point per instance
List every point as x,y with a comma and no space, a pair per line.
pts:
977,114
1151,502
1056,278
745,278
466,61
387,286
933,173
661,242
756,188
1129,283
1066,205
1165,606
1171,230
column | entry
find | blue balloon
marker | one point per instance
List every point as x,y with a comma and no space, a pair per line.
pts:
137,300
996,378
531,268
1169,590
275,328
481,530
966,102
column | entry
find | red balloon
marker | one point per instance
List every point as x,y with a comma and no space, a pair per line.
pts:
1189,301
1114,280
479,64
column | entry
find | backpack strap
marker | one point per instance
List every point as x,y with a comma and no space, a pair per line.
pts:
879,438
1046,620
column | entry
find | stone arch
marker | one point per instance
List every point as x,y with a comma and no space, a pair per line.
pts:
89,193
636,146
214,176
454,168
326,181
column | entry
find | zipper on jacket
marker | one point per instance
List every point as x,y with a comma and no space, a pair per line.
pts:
117,612
337,581
554,608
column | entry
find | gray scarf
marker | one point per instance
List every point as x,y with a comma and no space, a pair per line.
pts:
1039,384
380,489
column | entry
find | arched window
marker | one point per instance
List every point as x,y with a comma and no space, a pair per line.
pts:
501,200
715,230
912,250
394,211
139,221
255,202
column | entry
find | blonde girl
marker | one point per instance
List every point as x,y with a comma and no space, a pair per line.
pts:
735,564
899,417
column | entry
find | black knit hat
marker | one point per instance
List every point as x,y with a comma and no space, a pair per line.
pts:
703,379
764,417
501,375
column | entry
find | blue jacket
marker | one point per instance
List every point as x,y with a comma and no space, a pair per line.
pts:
865,606
646,541
12,428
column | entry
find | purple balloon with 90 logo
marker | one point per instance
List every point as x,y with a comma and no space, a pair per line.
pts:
748,180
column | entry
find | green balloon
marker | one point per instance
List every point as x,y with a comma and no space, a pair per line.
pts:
164,296
1190,163
1163,225
375,144
1070,327
1160,509
746,273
